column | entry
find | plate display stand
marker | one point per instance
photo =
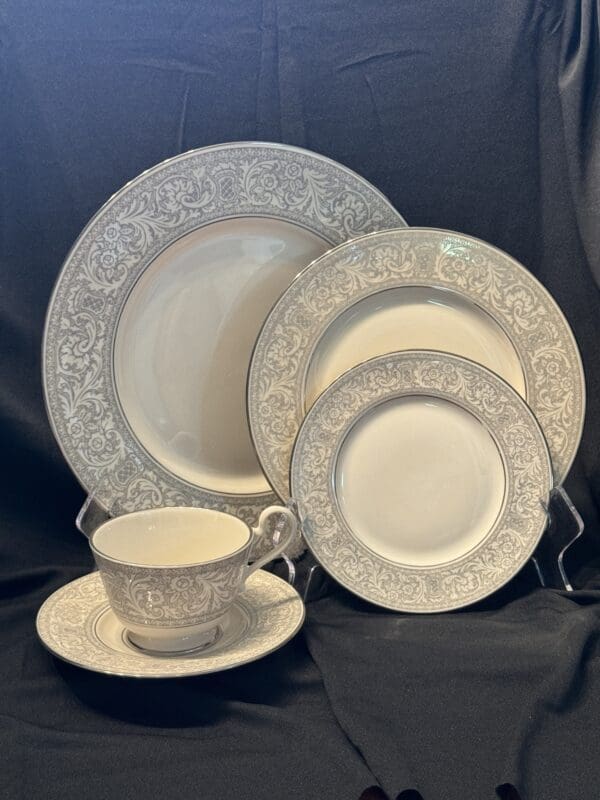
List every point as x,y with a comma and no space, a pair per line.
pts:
565,525
91,515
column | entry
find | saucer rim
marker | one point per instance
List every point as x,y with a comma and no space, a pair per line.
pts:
194,671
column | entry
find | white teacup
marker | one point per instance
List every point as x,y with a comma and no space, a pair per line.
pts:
172,574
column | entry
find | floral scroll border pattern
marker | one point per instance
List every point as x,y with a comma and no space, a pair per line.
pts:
165,596
119,243
66,619
505,548
425,257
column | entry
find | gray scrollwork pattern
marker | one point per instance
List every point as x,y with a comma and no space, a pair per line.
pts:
168,597
120,242
67,621
517,529
413,257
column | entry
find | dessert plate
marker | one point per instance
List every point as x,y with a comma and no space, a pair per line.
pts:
77,624
404,289
420,479
155,312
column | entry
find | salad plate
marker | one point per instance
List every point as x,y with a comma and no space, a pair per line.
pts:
420,479
413,288
77,625
156,309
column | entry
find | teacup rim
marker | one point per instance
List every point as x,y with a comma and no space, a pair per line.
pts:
188,565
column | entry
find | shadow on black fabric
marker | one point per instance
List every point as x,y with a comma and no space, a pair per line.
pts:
184,703
410,794
376,793
508,792
373,793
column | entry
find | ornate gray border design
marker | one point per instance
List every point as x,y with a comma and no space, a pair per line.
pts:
130,230
275,610
514,535
169,597
413,257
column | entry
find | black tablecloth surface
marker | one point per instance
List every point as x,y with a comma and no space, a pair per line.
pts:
481,117
503,693
263,730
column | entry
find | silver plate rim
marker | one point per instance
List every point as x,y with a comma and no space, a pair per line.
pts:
297,615
251,503
336,387
277,478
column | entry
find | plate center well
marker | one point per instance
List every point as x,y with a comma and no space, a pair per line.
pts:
184,342
411,318
419,480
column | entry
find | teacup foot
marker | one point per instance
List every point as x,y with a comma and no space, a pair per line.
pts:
187,645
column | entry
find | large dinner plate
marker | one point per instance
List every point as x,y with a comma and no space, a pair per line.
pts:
414,288
155,312
421,479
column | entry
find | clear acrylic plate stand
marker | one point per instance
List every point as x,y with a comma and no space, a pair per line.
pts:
564,527
312,582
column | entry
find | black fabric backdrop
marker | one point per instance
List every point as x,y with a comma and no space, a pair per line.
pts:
477,116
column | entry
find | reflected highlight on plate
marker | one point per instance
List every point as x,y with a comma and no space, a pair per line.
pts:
411,318
187,331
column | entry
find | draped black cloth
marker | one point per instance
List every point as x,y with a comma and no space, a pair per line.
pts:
482,117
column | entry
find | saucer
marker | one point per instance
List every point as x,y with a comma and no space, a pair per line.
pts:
77,624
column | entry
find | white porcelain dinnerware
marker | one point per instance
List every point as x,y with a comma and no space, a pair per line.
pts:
78,625
412,288
156,309
171,575
421,479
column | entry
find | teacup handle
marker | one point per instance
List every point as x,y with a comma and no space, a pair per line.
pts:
292,524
